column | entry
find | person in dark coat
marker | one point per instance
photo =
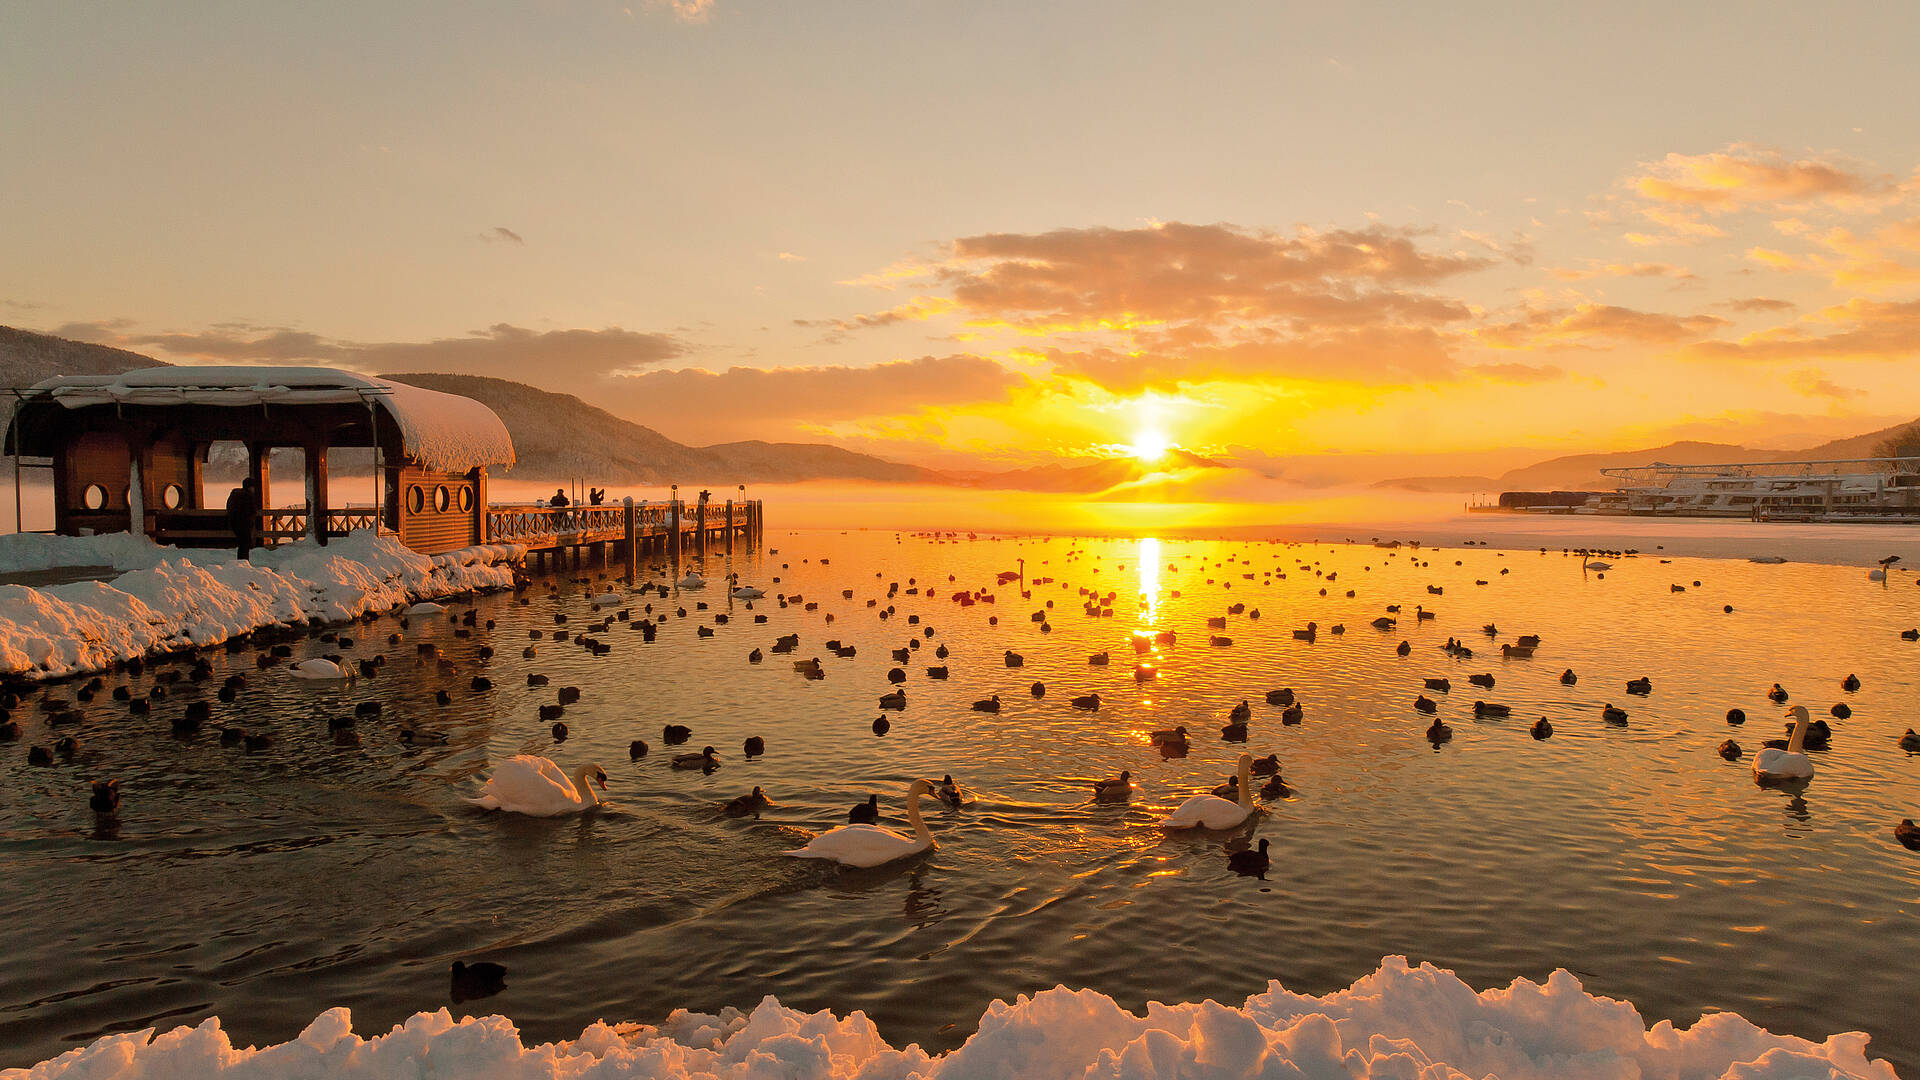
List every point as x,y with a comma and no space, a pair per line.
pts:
559,498
243,514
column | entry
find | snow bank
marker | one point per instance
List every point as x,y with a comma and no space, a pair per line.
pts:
175,598
1400,1022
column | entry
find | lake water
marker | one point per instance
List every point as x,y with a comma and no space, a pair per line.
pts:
266,887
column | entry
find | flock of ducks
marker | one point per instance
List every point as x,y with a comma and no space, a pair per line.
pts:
535,785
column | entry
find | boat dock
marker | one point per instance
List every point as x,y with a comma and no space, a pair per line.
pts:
560,537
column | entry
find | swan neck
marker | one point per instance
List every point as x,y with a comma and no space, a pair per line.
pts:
913,818
1799,736
584,786
1246,783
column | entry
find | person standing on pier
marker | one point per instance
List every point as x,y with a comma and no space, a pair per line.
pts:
243,514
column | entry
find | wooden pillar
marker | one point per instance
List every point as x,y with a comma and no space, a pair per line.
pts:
700,527
632,548
729,526
257,468
316,460
197,475
480,535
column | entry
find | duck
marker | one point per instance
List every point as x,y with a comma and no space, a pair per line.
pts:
39,755
1612,715
1241,712
675,734
1038,690
881,725
1438,732
1642,686
1250,863
106,797
1014,659
1568,678
705,759
987,705
1283,696
1841,710
1777,695
1090,702
559,731
1213,812
865,845
895,700
1441,685
1908,834
535,786
754,747
1425,704
1482,681
1910,741
1850,683
1267,766
1176,737
1234,732
1292,715
1404,648
1229,790
865,813
476,980
1736,716
636,749
1773,766
751,803
1730,750
946,791
1491,711
1114,789
1541,729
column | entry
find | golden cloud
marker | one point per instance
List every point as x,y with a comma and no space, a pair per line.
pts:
1744,176
1587,324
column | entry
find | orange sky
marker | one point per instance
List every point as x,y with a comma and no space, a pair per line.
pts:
1327,245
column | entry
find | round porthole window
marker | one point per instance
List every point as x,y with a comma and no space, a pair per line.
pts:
416,499
94,497
440,499
466,500
173,496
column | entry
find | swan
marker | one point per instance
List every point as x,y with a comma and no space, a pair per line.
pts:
1213,812
867,846
606,598
524,784
749,592
425,607
1773,765
319,668
692,581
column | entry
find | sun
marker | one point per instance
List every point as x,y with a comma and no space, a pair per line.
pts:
1150,446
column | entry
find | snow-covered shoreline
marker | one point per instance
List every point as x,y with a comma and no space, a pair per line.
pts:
1401,1021
170,598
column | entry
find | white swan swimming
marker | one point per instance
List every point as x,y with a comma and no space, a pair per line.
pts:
749,592
426,607
1213,812
524,784
607,598
865,846
692,581
1598,565
1774,765
319,668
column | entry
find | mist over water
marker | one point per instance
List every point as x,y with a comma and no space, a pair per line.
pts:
266,887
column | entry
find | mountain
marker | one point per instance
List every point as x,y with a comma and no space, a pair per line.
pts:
1582,471
27,357
558,436
1431,485
1859,446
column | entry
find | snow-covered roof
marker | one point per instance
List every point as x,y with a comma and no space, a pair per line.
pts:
440,431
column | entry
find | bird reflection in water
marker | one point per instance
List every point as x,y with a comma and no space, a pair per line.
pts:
923,902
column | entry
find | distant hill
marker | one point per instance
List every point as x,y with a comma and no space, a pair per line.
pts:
1859,446
1580,471
558,436
27,357
1440,484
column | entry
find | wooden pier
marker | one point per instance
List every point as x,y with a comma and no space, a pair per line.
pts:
556,537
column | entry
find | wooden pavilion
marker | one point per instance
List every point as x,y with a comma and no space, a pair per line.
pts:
132,449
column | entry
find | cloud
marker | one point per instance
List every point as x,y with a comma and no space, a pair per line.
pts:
1372,355
1518,374
788,256
500,234
762,403
1813,383
549,357
918,309
1596,269
691,10
1587,323
1868,330
1743,176
1757,303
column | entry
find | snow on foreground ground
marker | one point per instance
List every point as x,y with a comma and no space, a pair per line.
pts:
171,597
1400,1022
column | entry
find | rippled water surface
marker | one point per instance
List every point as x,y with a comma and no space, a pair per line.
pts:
268,886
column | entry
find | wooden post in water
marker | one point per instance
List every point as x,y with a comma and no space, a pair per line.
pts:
633,541
729,528
700,528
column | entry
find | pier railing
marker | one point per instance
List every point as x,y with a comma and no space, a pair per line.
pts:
531,523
